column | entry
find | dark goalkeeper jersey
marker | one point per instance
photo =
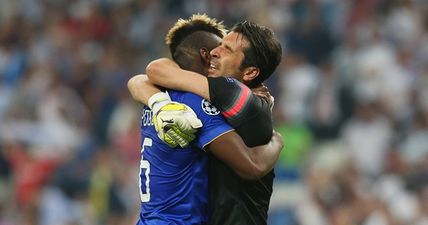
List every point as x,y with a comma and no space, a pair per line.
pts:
233,200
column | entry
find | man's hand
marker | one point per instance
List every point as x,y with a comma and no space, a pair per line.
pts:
277,137
263,92
176,124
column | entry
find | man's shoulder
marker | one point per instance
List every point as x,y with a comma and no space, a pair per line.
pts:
201,106
183,96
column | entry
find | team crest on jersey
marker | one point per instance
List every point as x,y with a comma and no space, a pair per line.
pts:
209,108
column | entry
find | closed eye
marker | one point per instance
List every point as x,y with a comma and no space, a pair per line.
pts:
228,48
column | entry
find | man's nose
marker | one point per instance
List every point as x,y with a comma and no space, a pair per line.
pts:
214,53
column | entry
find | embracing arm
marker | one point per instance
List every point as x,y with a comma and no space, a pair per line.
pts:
248,163
141,88
166,73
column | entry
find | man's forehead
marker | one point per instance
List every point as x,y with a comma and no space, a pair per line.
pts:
236,40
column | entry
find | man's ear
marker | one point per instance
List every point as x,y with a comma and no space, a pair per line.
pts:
205,55
250,73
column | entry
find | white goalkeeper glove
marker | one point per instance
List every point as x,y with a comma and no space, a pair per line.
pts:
175,123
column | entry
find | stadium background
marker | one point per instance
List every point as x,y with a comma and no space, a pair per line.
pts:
351,102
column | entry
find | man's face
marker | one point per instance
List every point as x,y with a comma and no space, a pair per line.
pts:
227,57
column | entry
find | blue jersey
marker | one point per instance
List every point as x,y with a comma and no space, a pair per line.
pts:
174,181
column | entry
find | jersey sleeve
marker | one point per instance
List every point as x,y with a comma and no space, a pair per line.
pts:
229,95
214,125
250,115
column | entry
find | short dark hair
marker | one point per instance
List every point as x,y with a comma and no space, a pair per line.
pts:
264,52
186,37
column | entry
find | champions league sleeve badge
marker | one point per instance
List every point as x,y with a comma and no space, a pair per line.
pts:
209,108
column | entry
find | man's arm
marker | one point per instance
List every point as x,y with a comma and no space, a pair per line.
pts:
248,163
141,88
166,73
170,118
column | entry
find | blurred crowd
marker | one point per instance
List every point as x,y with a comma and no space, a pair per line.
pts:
351,101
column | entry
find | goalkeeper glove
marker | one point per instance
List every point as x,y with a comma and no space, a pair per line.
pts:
175,123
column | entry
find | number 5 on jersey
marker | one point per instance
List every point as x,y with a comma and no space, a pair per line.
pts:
145,168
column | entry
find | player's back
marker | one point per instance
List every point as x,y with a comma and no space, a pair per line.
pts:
169,179
174,181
